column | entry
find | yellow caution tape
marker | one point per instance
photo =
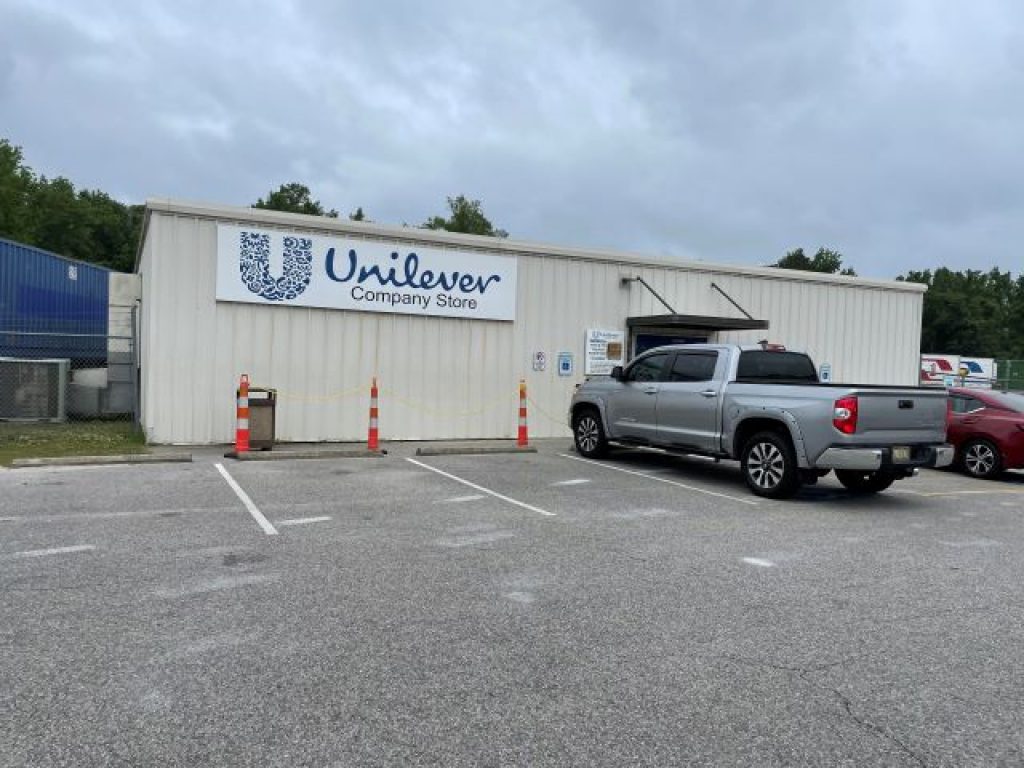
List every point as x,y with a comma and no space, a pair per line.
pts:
391,397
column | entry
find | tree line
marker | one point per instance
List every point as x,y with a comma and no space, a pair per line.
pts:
966,312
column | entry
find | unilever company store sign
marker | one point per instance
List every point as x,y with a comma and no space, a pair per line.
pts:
299,270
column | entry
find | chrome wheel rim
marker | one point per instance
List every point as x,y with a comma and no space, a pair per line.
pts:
980,459
766,465
587,434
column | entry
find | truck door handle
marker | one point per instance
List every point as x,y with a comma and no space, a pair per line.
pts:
708,393
651,390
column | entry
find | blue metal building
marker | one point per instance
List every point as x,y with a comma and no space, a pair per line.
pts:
51,306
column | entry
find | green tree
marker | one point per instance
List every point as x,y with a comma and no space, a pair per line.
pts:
358,215
113,229
49,213
16,183
294,198
825,260
466,216
971,312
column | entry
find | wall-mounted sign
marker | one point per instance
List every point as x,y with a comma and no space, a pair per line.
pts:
604,350
565,363
540,361
302,270
825,373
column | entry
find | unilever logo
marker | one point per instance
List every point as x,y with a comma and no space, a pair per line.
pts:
254,264
374,278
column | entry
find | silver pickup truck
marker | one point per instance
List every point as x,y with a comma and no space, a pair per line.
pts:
764,406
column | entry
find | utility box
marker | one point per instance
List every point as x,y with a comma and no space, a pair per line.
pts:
33,390
262,418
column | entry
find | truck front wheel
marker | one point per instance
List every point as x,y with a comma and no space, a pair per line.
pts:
588,434
769,466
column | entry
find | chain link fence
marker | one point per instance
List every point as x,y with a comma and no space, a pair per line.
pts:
57,375
1010,375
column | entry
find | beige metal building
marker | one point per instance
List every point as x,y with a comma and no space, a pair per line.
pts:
449,324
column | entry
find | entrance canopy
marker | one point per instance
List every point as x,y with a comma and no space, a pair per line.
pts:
657,330
674,323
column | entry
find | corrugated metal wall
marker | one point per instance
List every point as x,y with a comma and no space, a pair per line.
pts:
450,378
51,306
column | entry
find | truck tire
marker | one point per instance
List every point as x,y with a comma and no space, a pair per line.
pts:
865,482
981,459
588,434
768,462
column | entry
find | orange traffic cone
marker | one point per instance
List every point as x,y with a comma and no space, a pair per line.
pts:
242,416
523,439
373,435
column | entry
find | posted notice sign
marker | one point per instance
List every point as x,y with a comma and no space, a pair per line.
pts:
604,350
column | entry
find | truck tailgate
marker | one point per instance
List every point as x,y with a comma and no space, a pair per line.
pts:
901,416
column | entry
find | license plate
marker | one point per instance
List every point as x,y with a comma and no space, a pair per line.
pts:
901,454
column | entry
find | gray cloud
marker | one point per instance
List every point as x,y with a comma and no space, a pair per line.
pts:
725,131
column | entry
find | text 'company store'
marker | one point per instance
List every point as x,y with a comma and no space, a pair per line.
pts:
449,324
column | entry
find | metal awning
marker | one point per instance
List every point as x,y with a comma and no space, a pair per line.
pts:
695,322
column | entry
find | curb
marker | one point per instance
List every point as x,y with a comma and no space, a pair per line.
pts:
470,450
81,461
340,453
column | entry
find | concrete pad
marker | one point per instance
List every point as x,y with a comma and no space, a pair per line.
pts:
472,449
327,453
77,461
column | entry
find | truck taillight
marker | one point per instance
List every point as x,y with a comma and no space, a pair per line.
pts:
844,415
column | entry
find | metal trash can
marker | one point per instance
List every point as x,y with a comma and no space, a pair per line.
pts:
262,418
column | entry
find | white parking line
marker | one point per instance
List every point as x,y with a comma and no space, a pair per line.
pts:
461,499
660,479
304,520
480,488
263,523
758,562
575,481
55,551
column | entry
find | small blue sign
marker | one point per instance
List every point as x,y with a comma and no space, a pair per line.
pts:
565,363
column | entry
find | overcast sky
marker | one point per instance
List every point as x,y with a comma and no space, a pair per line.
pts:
726,131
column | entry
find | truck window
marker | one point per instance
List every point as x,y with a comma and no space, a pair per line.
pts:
647,369
693,366
764,365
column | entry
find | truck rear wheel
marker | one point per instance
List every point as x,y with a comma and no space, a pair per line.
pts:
769,466
865,482
588,434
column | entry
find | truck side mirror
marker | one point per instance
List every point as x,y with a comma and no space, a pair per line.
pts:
616,373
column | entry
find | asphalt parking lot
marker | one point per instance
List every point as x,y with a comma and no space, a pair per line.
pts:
505,610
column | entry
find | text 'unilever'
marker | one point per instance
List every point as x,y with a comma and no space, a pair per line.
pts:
285,268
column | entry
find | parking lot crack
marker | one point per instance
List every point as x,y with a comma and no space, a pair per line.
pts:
868,726
804,674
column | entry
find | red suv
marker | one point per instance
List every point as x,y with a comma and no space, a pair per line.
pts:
987,430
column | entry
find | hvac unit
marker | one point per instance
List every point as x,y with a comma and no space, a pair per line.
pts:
33,390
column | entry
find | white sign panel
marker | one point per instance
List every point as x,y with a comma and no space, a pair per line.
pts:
937,369
978,372
540,361
301,270
825,373
604,350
